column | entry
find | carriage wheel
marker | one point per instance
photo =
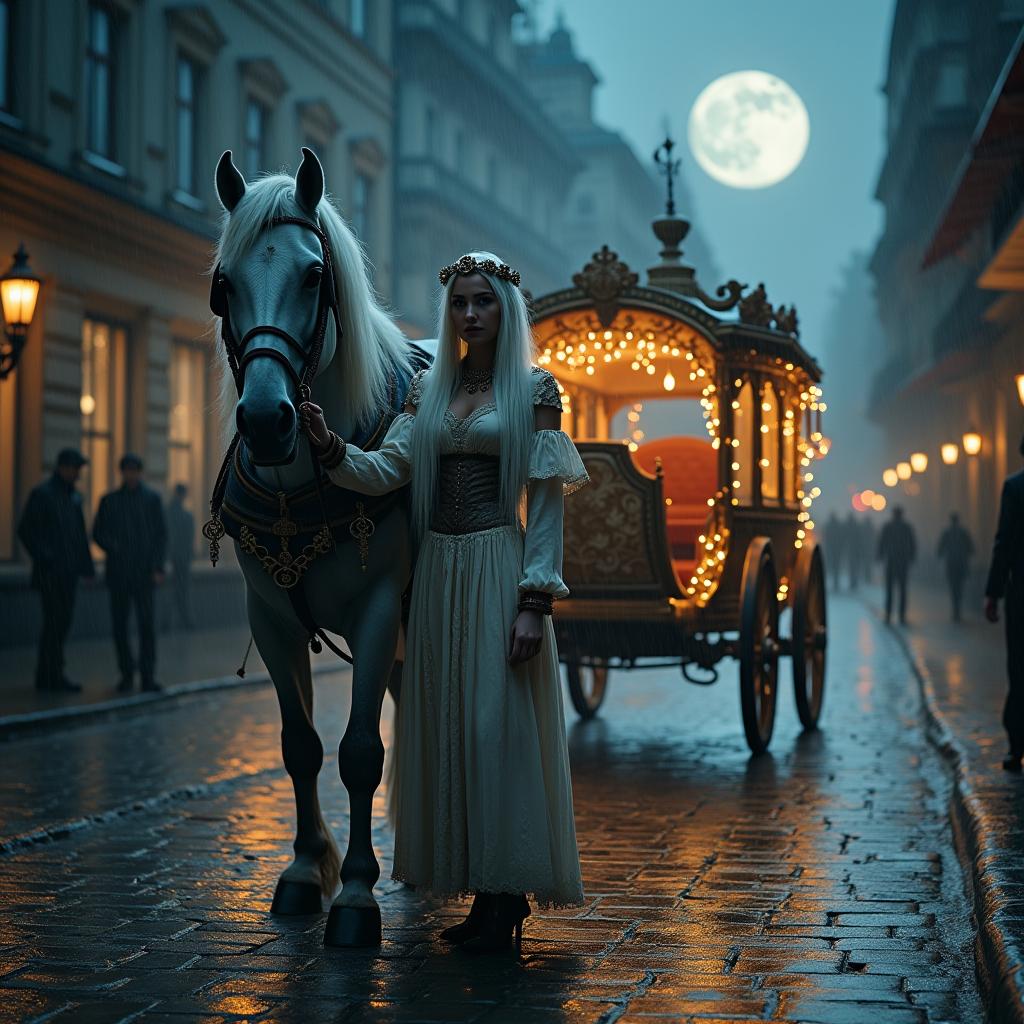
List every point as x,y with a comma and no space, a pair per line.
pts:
759,644
587,687
810,634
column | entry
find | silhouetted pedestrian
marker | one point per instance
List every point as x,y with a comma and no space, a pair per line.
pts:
897,549
130,528
857,556
181,534
867,542
52,528
956,549
835,547
1006,582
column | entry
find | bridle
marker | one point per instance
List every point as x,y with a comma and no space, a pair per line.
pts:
238,353
239,357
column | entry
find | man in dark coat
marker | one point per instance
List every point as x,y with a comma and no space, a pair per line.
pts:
1006,583
956,549
181,535
897,549
131,530
52,528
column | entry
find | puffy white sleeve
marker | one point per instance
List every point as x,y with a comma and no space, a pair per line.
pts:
381,471
556,469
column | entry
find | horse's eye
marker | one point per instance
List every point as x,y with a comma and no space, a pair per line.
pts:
313,278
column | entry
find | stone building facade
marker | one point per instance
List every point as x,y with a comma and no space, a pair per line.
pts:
112,116
950,341
479,164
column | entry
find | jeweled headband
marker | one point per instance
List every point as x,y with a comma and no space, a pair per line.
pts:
469,264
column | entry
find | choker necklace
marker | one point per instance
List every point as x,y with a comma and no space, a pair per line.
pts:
476,380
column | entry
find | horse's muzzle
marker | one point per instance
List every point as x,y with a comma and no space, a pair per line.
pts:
269,430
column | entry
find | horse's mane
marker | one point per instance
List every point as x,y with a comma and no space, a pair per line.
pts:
372,345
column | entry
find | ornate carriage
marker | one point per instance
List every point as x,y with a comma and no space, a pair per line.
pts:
686,550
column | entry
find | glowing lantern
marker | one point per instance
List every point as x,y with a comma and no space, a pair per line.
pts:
972,442
669,382
919,462
890,478
904,470
950,453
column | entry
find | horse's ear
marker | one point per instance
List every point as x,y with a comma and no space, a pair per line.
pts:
309,183
230,183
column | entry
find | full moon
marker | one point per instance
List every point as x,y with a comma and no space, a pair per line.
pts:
749,129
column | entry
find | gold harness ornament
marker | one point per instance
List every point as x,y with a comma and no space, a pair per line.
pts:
362,528
285,568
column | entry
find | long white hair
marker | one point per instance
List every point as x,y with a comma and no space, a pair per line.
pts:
512,395
372,344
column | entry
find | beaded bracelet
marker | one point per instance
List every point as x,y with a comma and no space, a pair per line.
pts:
536,601
332,454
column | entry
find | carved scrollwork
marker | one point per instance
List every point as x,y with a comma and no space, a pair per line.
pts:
604,280
729,294
786,321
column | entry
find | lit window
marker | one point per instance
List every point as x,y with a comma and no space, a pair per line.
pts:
185,102
769,445
102,406
101,81
185,454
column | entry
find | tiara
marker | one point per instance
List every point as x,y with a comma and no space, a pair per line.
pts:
468,264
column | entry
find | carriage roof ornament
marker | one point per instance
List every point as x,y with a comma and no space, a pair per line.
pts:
672,273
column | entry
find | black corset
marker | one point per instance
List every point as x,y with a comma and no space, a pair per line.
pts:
468,495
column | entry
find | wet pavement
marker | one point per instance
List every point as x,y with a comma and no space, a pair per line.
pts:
815,884
963,666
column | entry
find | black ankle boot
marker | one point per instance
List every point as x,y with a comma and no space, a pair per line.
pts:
502,925
470,927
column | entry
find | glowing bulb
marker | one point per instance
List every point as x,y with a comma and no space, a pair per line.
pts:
87,404
669,382
890,478
904,471
972,442
950,453
919,462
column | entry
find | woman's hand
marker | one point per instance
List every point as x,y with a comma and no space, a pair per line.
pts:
526,637
311,418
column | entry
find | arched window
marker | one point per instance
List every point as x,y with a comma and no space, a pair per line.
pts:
744,453
769,445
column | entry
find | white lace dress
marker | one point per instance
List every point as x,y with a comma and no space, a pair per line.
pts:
483,798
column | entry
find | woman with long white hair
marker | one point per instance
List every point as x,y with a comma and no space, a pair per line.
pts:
483,799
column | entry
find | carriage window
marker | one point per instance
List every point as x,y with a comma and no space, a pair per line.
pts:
769,444
789,442
745,453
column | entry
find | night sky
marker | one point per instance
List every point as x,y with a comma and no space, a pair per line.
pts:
655,56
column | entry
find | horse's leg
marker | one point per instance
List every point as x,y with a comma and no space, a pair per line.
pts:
314,871
373,635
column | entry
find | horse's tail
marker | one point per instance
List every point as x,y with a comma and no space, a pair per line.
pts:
330,860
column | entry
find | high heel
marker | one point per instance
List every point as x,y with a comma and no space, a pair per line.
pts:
502,926
470,927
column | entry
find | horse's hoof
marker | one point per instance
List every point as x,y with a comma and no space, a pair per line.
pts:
353,926
295,898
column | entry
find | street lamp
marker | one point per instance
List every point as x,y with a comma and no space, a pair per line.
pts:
919,462
890,478
904,470
19,289
950,453
972,442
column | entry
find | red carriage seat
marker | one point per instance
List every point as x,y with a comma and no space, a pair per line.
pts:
690,476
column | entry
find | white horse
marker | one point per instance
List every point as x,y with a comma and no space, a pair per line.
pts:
270,287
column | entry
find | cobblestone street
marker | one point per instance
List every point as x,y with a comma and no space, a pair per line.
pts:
815,884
